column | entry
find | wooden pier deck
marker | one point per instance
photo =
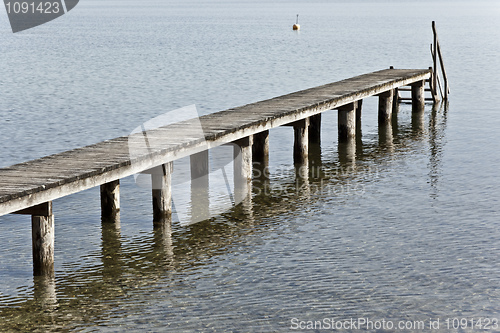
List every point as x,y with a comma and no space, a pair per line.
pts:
30,187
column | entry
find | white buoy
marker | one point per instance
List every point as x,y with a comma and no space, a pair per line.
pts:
296,26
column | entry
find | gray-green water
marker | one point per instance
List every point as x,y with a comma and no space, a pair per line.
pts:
407,231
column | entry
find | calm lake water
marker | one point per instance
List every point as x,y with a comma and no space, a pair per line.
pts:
408,230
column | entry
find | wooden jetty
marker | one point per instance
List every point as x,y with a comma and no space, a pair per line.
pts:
30,187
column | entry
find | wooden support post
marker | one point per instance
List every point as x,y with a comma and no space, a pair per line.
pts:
301,141
200,201
42,233
346,122
162,192
242,168
260,148
315,129
395,101
418,96
260,156
385,101
358,105
110,200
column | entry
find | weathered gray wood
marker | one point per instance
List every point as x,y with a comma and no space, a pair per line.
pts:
385,101
260,157
260,148
315,129
395,101
110,200
42,235
79,169
358,105
441,62
346,122
418,95
301,141
242,168
162,192
434,57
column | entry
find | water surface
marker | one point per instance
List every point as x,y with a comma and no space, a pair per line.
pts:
407,230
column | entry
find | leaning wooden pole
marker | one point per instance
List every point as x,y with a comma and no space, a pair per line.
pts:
434,58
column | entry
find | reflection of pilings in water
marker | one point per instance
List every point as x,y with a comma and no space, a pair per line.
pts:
111,247
417,121
395,124
385,136
436,142
44,293
302,183
347,153
162,231
200,202
315,162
